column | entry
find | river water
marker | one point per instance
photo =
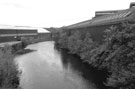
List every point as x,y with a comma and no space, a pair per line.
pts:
47,68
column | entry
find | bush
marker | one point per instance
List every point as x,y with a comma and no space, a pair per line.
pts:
116,54
8,70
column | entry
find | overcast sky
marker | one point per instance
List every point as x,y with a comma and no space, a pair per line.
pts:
54,13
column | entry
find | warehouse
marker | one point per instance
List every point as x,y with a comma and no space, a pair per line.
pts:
44,34
10,33
18,33
103,20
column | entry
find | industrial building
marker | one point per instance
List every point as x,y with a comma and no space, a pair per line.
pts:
44,34
18,33
103,20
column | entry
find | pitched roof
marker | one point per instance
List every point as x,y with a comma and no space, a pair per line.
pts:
79,25
120,16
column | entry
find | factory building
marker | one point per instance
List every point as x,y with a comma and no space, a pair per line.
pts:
44,34
18,33
103,20
10,33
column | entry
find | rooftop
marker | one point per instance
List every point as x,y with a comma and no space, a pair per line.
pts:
112,18
10,27
120,16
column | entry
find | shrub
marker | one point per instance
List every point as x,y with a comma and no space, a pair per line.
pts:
8,70
117,54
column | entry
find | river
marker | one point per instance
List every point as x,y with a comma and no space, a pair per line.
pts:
47,68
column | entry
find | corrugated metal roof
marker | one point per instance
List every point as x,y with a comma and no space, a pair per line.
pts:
121,15
80,25
42,30
9,27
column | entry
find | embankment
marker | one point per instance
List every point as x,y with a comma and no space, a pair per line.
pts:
9,74
116,54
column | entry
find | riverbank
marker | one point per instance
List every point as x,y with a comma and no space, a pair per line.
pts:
116,53
9,74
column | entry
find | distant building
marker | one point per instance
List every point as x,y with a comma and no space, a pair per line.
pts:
102,13
18,33
132,4
12,33
44,34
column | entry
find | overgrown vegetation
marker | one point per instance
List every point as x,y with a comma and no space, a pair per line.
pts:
9,78
9,74
116,53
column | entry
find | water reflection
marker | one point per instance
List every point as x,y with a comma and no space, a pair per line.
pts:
46,69
92,75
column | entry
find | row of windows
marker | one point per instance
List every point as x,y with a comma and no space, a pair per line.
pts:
24,34
14,31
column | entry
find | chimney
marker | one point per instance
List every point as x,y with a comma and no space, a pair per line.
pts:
132,4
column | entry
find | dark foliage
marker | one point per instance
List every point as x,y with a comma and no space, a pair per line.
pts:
116,54
8,70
